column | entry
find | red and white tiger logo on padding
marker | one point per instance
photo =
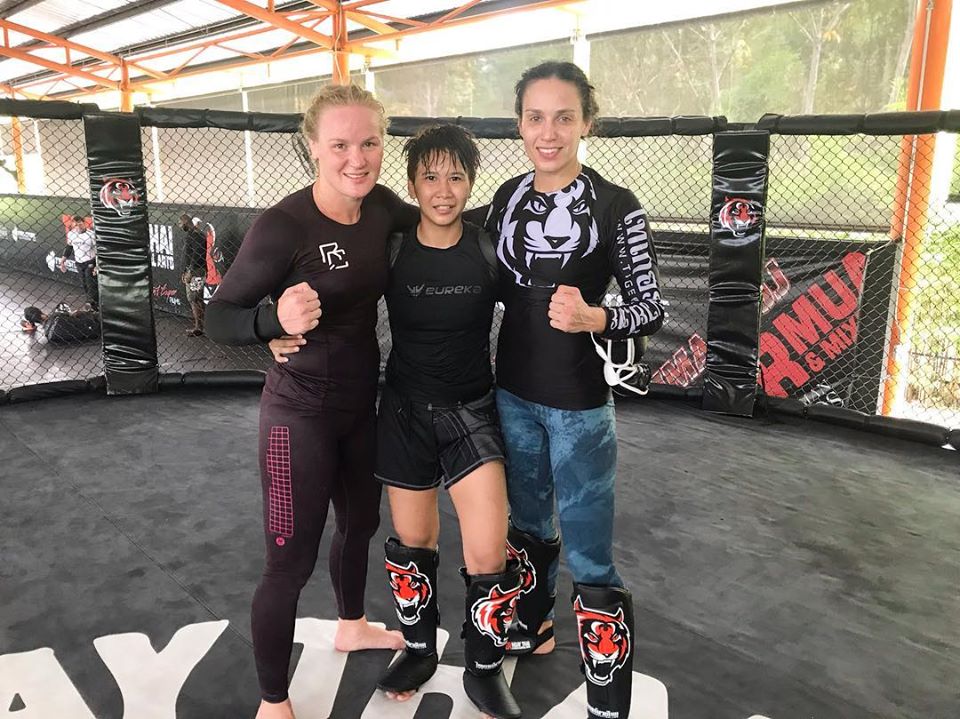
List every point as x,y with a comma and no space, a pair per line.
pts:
739,215
604,642
411,591
119,195
493,613
528,573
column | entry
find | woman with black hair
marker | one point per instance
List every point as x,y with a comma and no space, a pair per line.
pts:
562,231
437,425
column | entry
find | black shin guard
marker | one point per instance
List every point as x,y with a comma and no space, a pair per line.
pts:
489,610
413,580
605,629
535,601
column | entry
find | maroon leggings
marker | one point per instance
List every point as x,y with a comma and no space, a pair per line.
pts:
307,460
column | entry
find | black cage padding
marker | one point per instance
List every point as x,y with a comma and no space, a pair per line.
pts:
492,128
909,429
505,128
881,123
118,200
220,119
851,418
46,109
51,390
738,203
954,440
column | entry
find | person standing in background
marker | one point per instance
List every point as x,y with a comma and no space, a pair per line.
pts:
194,264
83,242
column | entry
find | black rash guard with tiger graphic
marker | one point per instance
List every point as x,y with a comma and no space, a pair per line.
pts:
580,235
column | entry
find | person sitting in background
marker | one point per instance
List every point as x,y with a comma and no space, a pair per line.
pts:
194,264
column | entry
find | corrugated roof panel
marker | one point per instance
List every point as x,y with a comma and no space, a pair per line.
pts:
52,15
256,44
16,68
17,38
179,17
411,8
174,18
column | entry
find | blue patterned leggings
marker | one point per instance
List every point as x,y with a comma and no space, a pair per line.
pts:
567,456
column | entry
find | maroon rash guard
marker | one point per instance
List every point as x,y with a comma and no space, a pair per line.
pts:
317,411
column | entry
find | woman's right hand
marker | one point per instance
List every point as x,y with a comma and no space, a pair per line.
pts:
298,309
286,345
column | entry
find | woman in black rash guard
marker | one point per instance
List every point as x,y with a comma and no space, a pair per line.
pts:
562,232
320,254
437,425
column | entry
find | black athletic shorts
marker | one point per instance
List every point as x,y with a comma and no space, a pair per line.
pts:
420,445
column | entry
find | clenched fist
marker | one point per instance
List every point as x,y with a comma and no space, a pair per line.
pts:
569,313
298,309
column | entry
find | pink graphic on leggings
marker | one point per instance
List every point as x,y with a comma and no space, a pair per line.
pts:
281,491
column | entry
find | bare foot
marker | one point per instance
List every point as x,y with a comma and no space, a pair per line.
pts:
356,634
399,696
268,710
549,645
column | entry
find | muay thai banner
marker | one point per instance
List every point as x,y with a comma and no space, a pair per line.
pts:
222,226
683,260
33,235
823,310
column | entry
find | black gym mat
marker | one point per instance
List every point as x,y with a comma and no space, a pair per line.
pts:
780,568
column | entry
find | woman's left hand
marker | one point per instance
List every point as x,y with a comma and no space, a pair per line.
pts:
569,313
286,345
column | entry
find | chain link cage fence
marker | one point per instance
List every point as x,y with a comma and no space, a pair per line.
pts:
220,179
838,287
48,282
862,246
206,185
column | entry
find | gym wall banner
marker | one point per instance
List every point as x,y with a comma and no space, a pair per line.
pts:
223,227
33,237
682,267
822,324
33,233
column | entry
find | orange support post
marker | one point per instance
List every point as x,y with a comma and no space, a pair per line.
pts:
341,58
126,95
16,132
912,200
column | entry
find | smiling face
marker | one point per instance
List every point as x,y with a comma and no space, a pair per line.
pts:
348,149
442,188
551,125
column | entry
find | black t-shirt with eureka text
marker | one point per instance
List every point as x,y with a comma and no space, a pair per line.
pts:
440,304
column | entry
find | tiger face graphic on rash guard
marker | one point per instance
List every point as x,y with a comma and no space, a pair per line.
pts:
555,228
580,236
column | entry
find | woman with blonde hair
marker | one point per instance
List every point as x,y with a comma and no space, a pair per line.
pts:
320,254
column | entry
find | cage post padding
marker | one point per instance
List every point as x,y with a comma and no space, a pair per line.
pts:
118,200
738,200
